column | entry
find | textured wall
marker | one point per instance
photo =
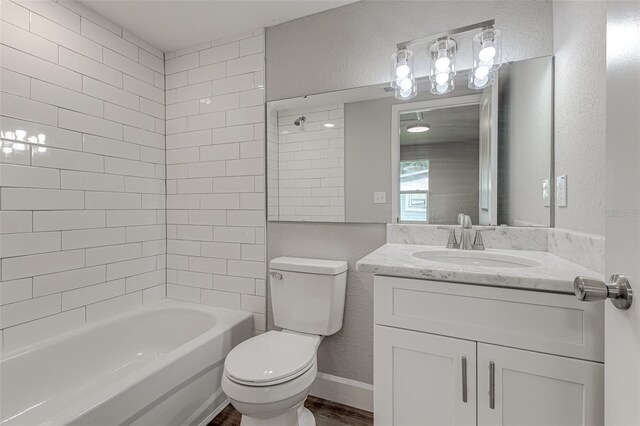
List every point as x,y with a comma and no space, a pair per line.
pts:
580,89
83,167
348,353
349,47
215,174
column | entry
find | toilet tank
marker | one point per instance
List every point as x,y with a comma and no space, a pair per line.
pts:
308,295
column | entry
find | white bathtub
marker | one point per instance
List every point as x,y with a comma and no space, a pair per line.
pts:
158,365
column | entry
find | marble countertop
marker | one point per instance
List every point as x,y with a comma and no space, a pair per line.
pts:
553,274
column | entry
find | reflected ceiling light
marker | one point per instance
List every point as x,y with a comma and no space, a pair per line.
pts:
418,128
442,65
20,134
329,125
402,79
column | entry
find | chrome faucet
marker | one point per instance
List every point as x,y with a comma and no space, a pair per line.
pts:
470,237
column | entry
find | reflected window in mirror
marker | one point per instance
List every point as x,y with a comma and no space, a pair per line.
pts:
414,191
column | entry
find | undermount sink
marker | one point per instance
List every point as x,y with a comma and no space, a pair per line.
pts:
476,258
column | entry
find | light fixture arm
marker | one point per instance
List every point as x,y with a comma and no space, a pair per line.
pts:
430,38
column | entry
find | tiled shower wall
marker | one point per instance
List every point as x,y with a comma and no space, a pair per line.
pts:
83,173
311,164
216,174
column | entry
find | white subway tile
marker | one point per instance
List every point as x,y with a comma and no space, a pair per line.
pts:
15,83
206,73
154,294
130,217
221,53
227,234
222,299
206,121
181,292
129,268
29,243
34,331
110,147
23,63
195,91
220,103
108,39
189,139
54,12
127,116
206,169
195,186
29,310
65,98
15,291
233,84
207,217
252,45
244,268
121,166
183,109
220,201
176,80
148,49
82,64
40,199
26,109
27,42
89,124
248,115
253,304
111,307
110,93
111,201
84,238
246,64
65,220
87,13
233,184
144,185
183,155
143,89
69,160
194,279
181,63
234,284
65,37
220,152
152,108
29,177
127,66
207,265
245,167
54,136
145,233
92,294
221,250
187,248
232,134
143,137
111,254
17,15
151,60
143,281
15,221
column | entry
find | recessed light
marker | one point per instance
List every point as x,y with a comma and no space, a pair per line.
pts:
328,125
418,128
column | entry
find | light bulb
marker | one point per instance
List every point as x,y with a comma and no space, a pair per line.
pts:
20,134
442,88
442,64
487,53
442,77
405,94
405,84
402,70
42,137
480,82
481,72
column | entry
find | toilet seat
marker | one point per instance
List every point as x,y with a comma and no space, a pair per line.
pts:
270,358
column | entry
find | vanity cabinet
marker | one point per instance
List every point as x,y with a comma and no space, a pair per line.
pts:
525,357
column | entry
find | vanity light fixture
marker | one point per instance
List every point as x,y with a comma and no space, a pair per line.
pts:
442,65
442,50
418,128
402,79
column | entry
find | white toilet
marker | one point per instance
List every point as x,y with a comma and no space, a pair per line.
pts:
267,378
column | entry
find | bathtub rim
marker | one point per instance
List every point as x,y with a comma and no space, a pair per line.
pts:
225,319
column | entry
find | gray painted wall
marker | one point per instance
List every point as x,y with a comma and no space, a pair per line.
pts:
348,47
580,108
348,353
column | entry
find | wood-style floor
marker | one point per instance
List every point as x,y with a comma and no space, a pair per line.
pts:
327,413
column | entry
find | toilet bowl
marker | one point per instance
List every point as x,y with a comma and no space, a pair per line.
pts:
267,378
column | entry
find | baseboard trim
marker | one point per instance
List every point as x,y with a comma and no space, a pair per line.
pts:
343,391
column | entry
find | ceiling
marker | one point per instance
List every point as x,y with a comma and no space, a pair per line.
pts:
457,124
174,24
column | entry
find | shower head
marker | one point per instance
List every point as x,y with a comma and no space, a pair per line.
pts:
300,120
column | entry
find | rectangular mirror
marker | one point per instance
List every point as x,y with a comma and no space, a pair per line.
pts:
360,155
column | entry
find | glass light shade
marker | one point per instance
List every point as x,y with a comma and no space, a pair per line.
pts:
487,49
442,61
478,83
442,89
401,67
406,89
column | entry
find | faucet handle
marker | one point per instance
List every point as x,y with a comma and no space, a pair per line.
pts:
452,242
478,244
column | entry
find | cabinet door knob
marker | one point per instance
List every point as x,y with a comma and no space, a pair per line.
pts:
617,289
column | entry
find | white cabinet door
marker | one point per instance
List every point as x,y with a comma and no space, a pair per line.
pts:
530,388
419,379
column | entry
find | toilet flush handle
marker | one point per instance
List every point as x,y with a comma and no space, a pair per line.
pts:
276,276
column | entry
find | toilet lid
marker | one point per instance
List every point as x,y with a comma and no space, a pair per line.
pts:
270,357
